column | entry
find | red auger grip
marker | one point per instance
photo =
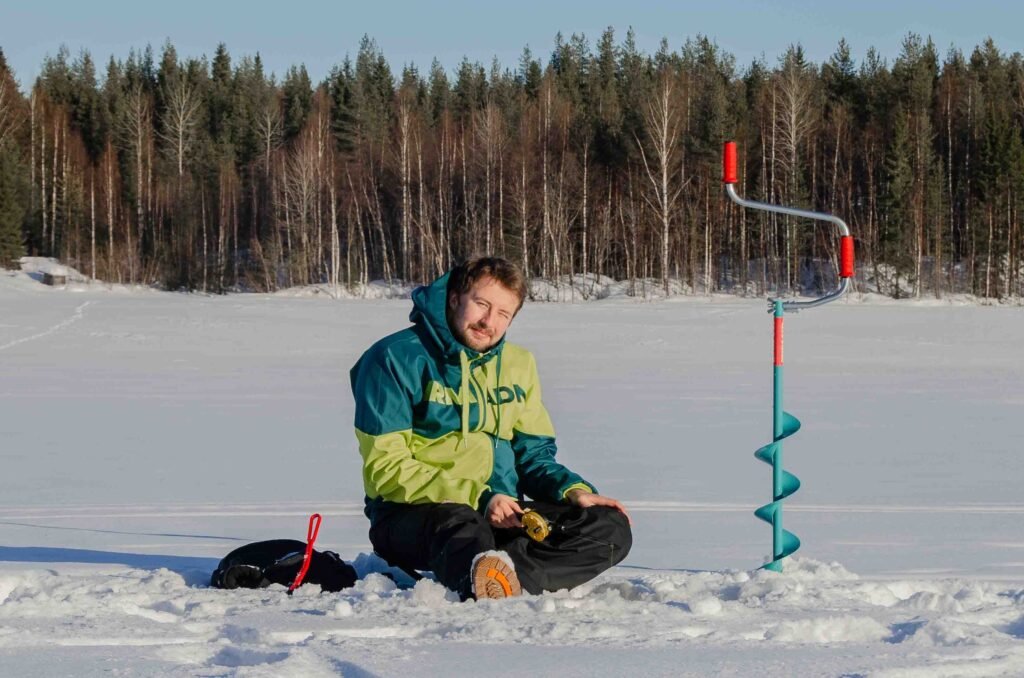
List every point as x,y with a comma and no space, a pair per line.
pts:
846,256
729,163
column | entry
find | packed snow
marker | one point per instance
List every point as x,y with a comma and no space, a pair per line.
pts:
146,434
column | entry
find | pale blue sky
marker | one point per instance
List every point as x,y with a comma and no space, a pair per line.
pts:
319,34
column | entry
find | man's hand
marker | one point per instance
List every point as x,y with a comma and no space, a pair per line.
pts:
584,499
504,511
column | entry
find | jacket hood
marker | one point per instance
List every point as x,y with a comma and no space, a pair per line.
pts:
428,311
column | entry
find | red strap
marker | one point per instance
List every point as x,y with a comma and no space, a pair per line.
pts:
314,529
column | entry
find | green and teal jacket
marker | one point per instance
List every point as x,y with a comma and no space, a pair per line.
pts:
439,422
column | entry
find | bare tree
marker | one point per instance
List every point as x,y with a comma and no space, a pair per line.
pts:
268,129
796,118
490,131
405,123
179,121
335,239
135,129
663,120
301,192
795,83
522,188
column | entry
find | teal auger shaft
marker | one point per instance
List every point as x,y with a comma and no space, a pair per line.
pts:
784,484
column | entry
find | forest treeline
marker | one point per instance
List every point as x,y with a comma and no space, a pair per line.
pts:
209,174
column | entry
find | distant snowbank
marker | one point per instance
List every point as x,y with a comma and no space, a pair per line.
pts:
565,289
35,267
30,276
376,289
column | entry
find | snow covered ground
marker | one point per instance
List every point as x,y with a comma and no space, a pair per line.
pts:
146,434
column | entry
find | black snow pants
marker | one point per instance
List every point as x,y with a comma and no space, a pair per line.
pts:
444,538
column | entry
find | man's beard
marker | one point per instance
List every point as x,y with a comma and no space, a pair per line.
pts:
488,341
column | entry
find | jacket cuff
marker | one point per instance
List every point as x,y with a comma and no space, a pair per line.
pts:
577,486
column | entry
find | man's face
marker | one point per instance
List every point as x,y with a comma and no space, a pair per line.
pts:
480,317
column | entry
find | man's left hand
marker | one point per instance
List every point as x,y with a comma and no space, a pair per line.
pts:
585,499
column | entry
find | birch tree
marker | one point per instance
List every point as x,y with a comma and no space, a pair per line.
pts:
794,124
179,121
136,128
663,121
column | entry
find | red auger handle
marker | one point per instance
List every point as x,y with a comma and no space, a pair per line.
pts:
846,256
729,163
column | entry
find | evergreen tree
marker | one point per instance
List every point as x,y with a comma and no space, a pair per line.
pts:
839,75
899,182
251,94
55,77
711,74
14,201
530,73
470,91
87,112
343,117
297,100
637,78
610,146
220,102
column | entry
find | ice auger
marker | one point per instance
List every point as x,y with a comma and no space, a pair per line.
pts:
784,424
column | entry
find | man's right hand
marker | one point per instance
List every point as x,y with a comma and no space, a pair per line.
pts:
504,511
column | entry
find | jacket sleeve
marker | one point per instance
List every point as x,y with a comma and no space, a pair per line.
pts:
384,395
533,441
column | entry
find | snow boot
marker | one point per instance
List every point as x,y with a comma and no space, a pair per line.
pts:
493,575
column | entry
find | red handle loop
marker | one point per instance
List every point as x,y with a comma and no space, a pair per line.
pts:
729,174
314,530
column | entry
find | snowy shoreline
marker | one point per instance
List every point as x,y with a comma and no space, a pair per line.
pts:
581,289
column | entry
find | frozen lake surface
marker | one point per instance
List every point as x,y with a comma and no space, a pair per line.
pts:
146,434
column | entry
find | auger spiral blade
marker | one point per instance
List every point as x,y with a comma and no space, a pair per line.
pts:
786,542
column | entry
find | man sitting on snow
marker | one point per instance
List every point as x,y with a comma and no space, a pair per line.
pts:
453,436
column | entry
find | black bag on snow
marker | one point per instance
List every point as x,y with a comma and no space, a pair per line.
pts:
278,561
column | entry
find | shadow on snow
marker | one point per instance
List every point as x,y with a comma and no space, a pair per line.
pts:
194,570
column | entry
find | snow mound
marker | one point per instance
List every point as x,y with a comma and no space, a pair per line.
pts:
851,629
269,633
49,265
375,289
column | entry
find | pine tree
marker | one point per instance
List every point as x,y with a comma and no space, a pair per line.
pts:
87,114
438,93
530,73
220,103
297,100
896,223
14,200
343,119
611,148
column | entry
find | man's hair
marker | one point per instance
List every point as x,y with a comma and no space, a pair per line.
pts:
507,274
